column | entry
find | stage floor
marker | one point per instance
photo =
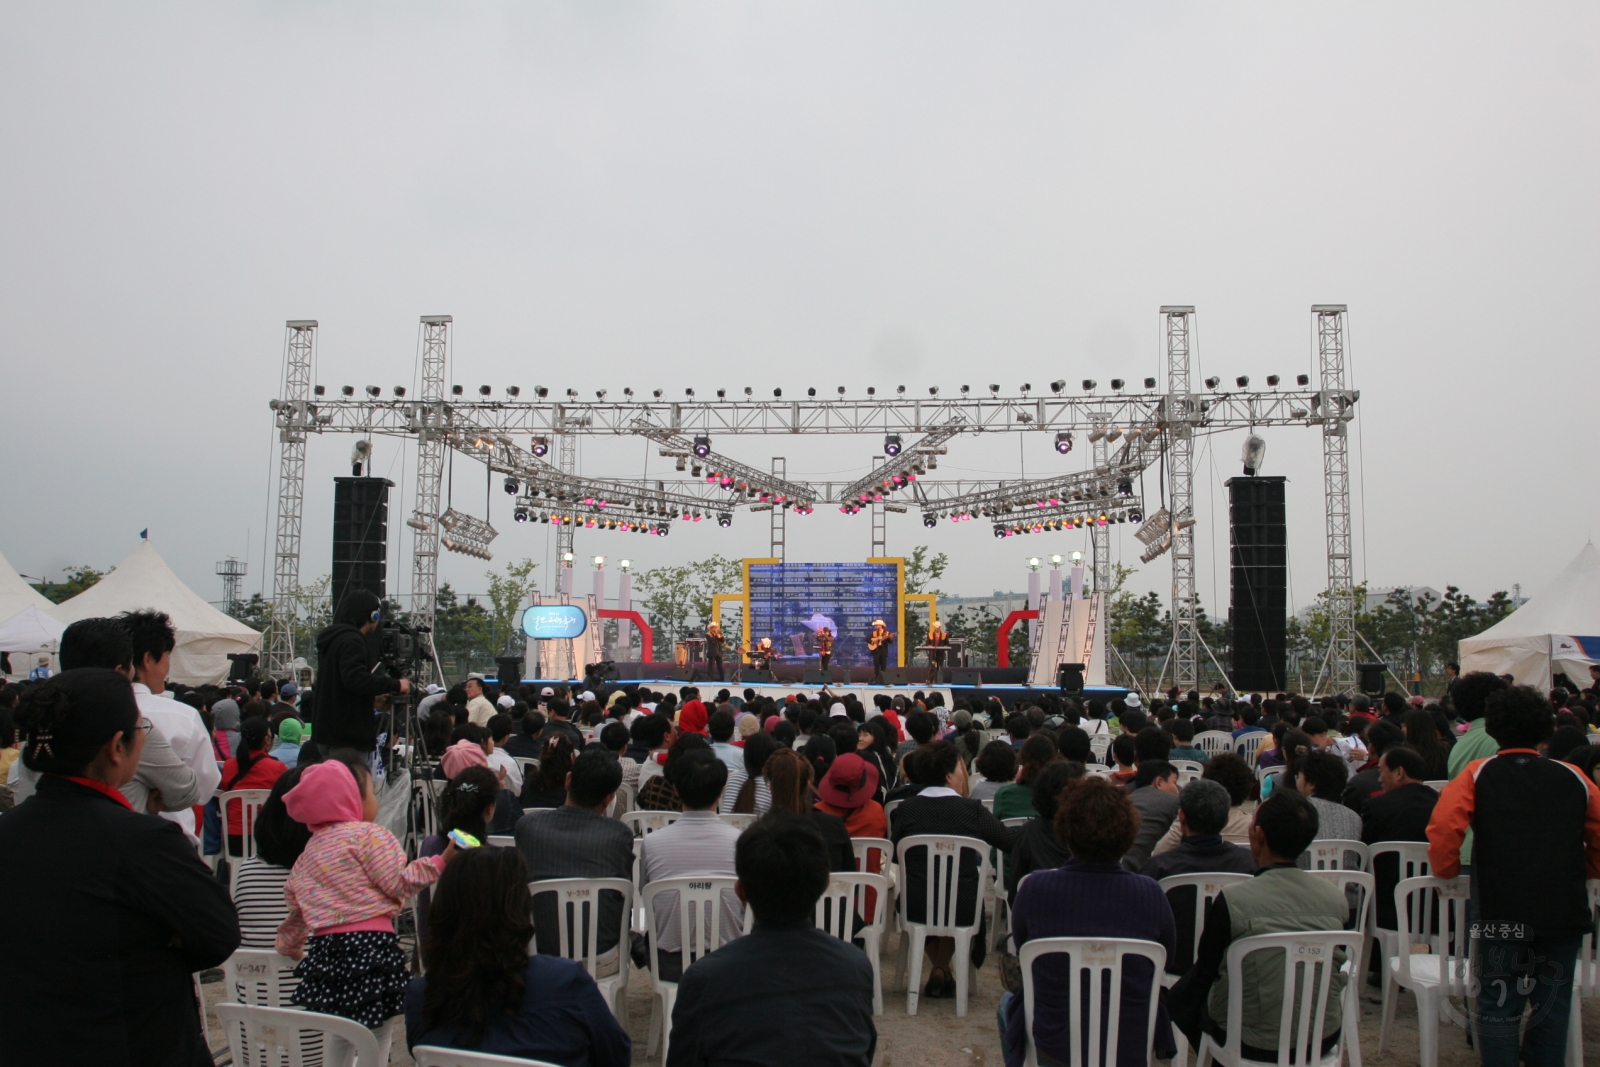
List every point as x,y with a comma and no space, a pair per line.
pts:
779,691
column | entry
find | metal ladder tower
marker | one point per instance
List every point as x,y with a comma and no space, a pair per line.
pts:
1337,409
567,460
1182,414
1100,536
778,528
295,418
432,422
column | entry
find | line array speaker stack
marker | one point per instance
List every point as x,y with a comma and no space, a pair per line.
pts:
1257,528
360,536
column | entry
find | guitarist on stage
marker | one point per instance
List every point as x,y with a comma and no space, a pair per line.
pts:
939,641
824,645
878,642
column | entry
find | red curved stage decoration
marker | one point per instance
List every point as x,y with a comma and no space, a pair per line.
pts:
1002,639
647,637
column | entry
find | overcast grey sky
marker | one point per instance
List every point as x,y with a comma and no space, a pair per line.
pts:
790,195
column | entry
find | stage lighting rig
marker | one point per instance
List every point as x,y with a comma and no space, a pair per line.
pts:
373,391
1089,385
541,447
702,446
1117,384
512,486
1058,385
484,390
1064,442
724,519
892,444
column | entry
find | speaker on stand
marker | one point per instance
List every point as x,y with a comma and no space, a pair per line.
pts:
1258,587
360,536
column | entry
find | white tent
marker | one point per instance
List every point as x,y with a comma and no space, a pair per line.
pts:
1556,631
143,580
16,594
30,630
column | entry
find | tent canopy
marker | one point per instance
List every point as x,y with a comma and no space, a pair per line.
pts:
1556,631
16,594
143,580
30,630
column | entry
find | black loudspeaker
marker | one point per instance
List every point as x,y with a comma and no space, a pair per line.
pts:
816,677
1069,676
754,675
965,677
241,665
510,669
1371,675
681,674
895,676
360,536
1259,588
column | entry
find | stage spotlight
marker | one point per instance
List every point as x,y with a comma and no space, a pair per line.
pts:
1064,442
999,531
319,390
656,393
520,515
350,390
1135,515
929,521
1113,432
872,390
541,447
1089,384
900,389
1302,379
1272,381
1058,385
1117,384
541,391
891,445
777,393
514,391
694,471
1149,383
811,390
702,446
1242,381
1125,487
1026,388
748,391
965,389
399,390
933,390
627,392
722,394
599,394
689,393
724,519
373,391
994,390
1213,382
484,390
512,487
841,390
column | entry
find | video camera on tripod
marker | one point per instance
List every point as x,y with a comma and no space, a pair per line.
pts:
400,648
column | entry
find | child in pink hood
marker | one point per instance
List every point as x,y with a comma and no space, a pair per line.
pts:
343,894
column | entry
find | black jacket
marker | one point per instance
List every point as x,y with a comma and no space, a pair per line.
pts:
1401,815
111,912
345,688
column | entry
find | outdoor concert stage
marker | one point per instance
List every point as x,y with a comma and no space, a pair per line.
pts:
1008,694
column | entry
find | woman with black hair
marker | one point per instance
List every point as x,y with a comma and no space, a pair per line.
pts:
1422,734
252,768
879,751
484,992
548,788
467,803
112,909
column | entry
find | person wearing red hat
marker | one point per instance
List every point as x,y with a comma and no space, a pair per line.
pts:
692,718
847,790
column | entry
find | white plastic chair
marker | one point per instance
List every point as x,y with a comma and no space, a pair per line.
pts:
627,797
699,931
1212,742
528,765
1002,899
1586,980
259,1036
648,822
578,931
1246,745
1362,887
941,895
988,804
737,820
1096,967
250,801
1412,860
1437,784
1100,769
502,841
1336,854
1310,960
1444,971
865,848
435,1056
888,812
1208,885
1099,745
843,900
262,977
1194,766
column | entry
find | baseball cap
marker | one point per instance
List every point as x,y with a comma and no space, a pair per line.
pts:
962,718
288,689
585,695
547,692
505,701
837,709
434,689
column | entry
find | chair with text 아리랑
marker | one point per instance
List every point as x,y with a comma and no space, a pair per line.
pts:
577,903
1311,962
699,908
941,910
841,904
1095,979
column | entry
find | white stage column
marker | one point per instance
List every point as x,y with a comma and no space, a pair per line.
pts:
625,603
1053,587
1033,605
566,579
600,602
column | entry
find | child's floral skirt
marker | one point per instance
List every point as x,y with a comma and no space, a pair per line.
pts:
360,976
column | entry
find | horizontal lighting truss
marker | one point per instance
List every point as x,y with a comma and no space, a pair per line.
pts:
738,482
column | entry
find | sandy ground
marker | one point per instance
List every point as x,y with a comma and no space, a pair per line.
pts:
935,1037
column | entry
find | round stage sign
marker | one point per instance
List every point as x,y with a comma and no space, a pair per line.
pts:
554,621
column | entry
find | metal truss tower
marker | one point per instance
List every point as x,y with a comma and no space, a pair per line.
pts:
780,471
567,460
1181,415
431,425
1100,536
295,416
1336,409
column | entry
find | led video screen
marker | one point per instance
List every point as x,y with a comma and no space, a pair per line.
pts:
789,602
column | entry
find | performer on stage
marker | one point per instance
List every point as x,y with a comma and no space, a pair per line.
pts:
936,636
762,655
878,642
714,643
824,645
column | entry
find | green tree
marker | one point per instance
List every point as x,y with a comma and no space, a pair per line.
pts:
255,613
677,599
78,578
921,571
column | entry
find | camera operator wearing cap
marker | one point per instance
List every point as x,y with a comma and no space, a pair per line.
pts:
346,684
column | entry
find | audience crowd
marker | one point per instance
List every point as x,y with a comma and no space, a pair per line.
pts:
128,872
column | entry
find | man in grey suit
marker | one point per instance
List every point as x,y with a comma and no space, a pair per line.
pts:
579,840
1155,794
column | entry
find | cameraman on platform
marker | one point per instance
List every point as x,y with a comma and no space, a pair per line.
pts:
346,684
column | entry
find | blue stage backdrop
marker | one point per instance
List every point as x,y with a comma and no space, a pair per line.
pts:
789,601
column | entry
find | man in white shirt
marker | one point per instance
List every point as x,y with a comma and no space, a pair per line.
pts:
479,710
501,760
697,843
153,639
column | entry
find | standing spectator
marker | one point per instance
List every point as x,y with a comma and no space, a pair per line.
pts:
119,911
484,992
346,682
577,840
1401,812
153,638
1537,823
697,843
823,984
1281,898
1091,895
1321,776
